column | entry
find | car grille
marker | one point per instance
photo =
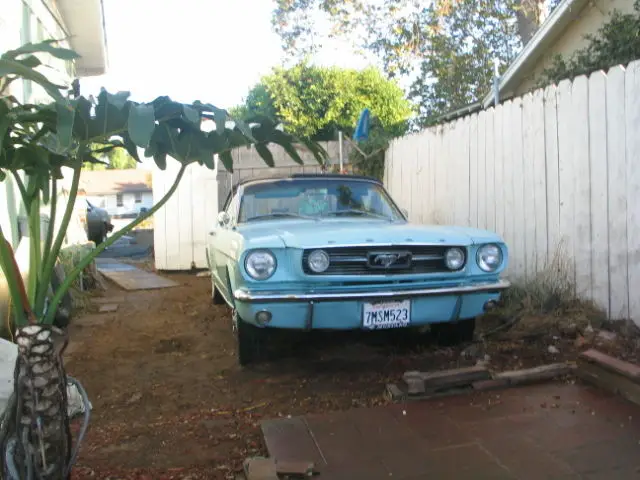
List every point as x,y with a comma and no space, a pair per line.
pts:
368,261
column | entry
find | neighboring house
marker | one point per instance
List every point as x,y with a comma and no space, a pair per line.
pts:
563,33
119,192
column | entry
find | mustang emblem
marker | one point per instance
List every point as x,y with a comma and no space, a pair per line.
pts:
386,260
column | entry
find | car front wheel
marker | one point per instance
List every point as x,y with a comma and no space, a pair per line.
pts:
252,342
454,333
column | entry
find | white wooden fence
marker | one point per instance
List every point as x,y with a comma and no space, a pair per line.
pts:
557,167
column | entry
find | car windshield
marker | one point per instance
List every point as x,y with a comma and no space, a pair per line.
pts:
314,198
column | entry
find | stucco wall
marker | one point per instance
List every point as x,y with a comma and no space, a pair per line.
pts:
587,21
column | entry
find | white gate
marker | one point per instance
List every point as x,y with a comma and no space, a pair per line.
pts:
181,227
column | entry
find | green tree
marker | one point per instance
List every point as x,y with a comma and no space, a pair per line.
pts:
448,47
314,101
111,159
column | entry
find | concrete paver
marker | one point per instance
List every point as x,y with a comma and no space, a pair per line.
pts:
549,431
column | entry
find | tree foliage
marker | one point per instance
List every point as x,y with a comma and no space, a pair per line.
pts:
617,42
448,46
113,159
314,101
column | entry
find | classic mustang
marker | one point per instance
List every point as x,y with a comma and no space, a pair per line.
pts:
335,252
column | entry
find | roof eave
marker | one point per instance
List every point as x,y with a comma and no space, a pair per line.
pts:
554,25
84,20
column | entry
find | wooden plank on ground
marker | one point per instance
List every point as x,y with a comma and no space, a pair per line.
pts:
132,278
595,374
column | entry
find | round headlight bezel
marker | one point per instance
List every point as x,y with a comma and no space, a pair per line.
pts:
481,255
324,255
251,270
463,257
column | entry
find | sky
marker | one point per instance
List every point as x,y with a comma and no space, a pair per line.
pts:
208,50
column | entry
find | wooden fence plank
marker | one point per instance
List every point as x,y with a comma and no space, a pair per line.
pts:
528,150
566,173
489,181
539,180
499,185
632,101
598,178
581,179
482,169
507,176
552,171
617,162
473,171
519,219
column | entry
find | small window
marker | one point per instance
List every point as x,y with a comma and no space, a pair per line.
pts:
119,200
138,196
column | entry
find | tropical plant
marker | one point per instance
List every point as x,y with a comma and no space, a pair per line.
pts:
38,143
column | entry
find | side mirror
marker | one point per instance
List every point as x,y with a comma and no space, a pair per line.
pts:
223,219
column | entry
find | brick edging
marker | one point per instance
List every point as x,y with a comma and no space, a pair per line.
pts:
425,385
609,373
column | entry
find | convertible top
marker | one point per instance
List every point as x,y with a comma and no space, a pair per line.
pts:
310,176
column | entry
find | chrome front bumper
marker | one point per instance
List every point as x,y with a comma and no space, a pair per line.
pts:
242,295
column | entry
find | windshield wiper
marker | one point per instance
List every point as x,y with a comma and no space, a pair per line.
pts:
357,212
279,215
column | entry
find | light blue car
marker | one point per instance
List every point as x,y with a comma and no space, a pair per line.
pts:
334,252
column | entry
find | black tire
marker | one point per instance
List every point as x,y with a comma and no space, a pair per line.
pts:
453,333
65,308
252,343
216,296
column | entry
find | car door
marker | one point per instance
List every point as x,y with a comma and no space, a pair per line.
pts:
221,238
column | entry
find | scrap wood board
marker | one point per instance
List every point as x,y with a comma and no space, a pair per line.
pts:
130,277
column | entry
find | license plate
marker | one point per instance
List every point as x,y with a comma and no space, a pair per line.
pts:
386,315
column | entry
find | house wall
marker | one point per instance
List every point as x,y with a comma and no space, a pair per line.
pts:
555,172
23,21
586,22
129,205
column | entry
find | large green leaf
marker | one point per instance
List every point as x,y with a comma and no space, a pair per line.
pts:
265,154
280,138
130,147
161,160
110,118
13,67
47,46
191,114
227,160
66,114
142,122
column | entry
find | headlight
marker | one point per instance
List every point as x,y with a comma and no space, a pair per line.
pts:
260,264
489,257
454,258
318,261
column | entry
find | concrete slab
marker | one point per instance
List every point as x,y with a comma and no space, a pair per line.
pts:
130,277
535,432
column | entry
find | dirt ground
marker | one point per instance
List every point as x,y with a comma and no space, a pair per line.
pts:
170,402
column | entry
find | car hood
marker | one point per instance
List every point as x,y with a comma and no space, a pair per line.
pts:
311,233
